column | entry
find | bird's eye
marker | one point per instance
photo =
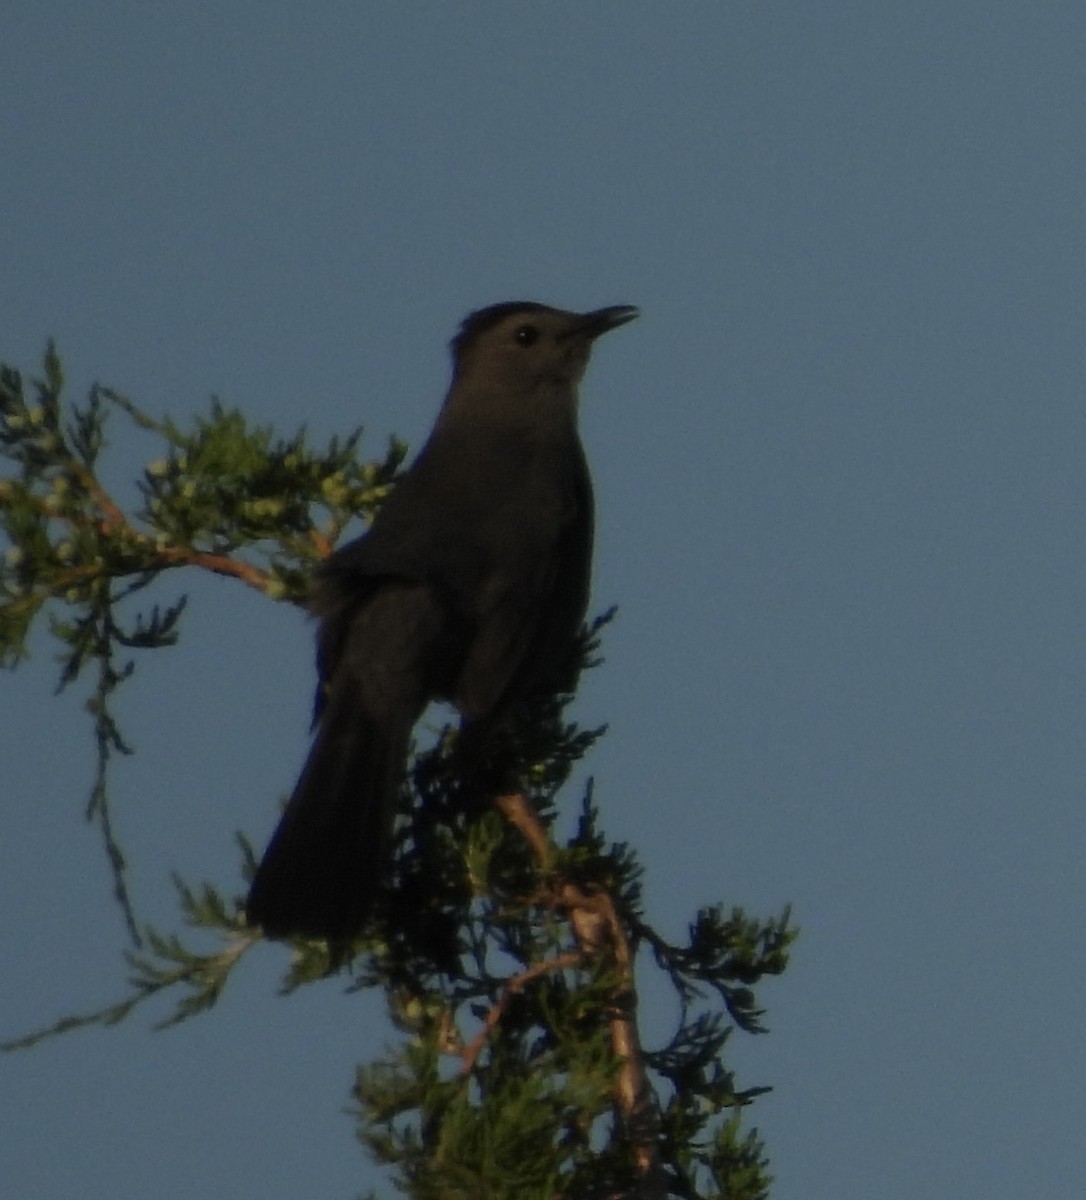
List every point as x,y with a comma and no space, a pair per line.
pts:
526,335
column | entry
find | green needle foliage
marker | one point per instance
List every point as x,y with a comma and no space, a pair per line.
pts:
225,498
508,959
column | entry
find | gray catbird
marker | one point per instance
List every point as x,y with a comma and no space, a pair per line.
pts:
470,586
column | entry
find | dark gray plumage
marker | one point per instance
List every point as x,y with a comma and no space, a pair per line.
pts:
469,586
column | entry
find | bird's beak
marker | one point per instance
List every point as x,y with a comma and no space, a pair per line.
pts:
592,324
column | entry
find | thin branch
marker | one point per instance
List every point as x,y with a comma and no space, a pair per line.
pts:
99,807
218,564
323,542
113,523
113,516
515,985
516,809
596,925
204,975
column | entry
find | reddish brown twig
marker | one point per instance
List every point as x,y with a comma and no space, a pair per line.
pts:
517,984
114,523
520,813
218,564
112,514
598,929
321,541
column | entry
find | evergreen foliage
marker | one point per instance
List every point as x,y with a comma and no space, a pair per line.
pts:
508,960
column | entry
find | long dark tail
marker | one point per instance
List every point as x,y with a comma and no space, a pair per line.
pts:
325,863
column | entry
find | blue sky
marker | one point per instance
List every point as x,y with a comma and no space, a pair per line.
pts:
839,466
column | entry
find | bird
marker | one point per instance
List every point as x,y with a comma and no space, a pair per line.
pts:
469,586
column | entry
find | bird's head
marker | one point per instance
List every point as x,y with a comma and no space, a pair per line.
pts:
520,346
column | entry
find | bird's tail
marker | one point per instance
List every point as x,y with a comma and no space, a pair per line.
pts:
324,865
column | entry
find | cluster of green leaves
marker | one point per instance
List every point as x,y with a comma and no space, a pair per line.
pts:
225,497
167,964
535,1116
221,488
505,1078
